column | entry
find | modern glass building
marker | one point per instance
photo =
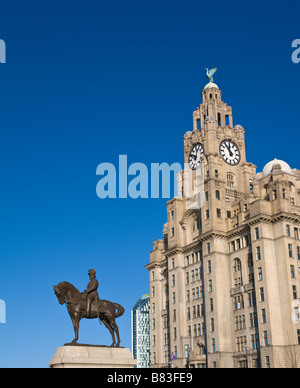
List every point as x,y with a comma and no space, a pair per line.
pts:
140,331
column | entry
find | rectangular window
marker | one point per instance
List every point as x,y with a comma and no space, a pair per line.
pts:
239,302
251,299
212,324
253,320
260,275
294,289
208,248
288,230
258,253
266,340
193,276
297,314
174,297
256,233
153,291
255,341
290,248
292,272
262,294
209,266
219,213
213,345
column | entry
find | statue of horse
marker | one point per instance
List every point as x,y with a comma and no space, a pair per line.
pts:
104,310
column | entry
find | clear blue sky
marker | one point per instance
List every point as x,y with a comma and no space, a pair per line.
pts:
87,81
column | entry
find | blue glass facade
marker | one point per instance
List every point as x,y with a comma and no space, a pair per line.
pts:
140,327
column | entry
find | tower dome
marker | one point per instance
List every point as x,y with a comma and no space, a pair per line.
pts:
276,164
211,85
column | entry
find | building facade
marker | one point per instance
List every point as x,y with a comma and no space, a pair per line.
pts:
140,327
225,277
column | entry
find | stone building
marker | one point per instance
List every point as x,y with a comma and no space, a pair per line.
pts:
225,277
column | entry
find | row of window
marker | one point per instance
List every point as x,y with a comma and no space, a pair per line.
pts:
291,251
239,299
284,196
289,232
238,244
240,321
241,346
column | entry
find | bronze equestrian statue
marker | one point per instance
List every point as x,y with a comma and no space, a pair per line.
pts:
88,305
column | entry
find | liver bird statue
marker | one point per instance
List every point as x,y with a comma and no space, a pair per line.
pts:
210,73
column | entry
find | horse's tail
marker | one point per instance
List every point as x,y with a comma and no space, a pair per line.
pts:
120,309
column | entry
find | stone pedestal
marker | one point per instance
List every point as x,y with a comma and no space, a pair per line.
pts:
89,356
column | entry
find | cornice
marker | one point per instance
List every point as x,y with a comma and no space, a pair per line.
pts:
272,219
156,264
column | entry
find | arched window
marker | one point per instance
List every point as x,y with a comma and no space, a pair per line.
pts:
237,272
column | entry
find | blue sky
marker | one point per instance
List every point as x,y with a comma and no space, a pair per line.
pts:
88,81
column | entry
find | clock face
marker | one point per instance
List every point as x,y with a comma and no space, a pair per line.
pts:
196,155
230,152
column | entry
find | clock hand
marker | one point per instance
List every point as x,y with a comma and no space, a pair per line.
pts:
228,147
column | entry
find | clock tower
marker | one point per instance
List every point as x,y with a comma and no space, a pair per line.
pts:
223,283
221,148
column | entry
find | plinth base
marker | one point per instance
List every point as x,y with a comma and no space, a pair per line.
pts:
89,356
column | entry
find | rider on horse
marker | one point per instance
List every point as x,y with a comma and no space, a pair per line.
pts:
91,292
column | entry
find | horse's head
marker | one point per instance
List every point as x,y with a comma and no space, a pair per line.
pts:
65,290
60,292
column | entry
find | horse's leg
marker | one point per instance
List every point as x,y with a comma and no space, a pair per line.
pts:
116,329
111,330
75,321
